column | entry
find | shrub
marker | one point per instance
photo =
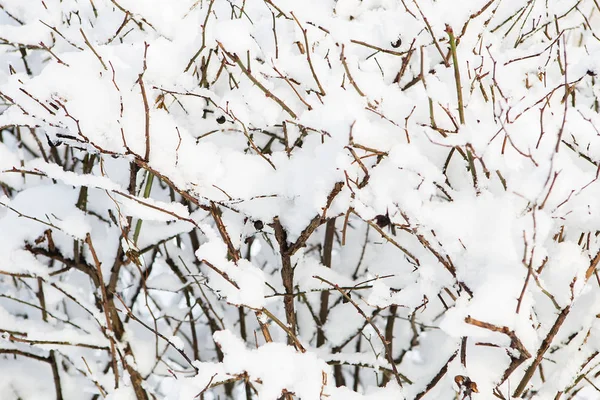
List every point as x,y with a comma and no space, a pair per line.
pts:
312,200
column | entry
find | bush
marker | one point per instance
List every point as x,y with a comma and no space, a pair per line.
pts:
300,200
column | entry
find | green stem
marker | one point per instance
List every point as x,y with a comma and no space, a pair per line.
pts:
461,111
147,189
452,39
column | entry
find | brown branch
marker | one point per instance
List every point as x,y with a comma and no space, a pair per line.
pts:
56,255
389,239
42,45
216,214
541,351
105,306
515,343
13,338
385,343
146,107
461,112
370,46
203,46
21,353
87,42
266,91
287,80
287,275
143,164
312,69
350,79
317,221
236,256
163,337
327,252
223,274
437,377
389,337
430,30
157,208
287,330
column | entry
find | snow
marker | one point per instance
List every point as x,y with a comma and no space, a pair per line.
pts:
177,342
241,283
299,373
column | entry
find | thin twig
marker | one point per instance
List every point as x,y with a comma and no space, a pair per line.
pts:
146,107
385,343
310,64
266,91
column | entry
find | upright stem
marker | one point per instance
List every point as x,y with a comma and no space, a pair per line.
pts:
52,355
287,277
147,190
327,250
389,337
452,39
461,111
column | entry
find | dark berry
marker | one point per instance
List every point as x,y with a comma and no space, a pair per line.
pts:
382,221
